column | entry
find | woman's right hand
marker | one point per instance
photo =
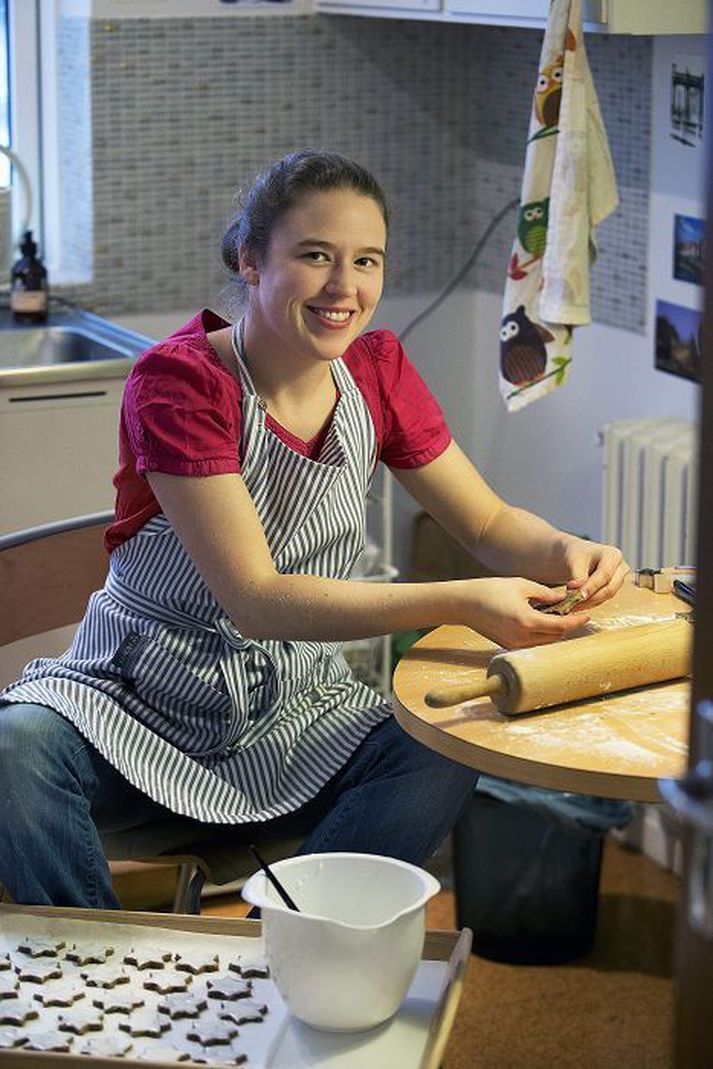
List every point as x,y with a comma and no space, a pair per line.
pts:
501,609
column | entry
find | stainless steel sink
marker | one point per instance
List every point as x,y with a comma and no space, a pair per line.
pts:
54,345
72,345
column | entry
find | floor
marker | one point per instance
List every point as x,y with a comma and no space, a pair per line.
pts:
609,1010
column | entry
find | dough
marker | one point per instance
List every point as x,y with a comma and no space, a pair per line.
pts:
565,606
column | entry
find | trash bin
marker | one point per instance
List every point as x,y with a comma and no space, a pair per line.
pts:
527,864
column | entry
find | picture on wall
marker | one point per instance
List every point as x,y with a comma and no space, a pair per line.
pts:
688,249
687,97
678,340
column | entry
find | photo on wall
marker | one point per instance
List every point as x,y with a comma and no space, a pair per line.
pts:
687,100
678,340
688,238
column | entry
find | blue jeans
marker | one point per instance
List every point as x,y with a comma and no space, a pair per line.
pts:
57,793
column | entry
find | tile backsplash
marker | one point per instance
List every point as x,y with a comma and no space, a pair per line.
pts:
176,114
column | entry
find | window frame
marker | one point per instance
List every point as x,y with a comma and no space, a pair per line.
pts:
33,123
25,96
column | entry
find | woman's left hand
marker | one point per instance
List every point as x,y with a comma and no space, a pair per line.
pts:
598,569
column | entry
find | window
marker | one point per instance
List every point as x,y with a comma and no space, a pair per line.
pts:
19,118
4,96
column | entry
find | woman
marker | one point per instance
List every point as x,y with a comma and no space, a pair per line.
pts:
206,678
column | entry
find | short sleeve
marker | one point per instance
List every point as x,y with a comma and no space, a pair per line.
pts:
182,413
413,428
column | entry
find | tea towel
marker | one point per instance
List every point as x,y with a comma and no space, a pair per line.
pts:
568,188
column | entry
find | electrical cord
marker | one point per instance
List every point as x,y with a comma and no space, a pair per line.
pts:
472,259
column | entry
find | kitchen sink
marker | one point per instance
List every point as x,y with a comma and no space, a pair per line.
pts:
72,344
53,345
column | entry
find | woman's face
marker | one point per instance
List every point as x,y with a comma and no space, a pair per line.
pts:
319,284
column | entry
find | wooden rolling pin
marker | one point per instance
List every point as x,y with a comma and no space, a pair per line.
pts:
520,681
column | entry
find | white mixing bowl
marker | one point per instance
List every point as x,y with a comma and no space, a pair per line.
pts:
347,959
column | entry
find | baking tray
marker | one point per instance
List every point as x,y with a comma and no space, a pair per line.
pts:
414,1039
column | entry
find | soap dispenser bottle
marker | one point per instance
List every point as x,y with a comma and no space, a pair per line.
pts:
29,296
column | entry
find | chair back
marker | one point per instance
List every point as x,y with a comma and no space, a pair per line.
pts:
47,574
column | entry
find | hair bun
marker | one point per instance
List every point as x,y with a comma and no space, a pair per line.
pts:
230,250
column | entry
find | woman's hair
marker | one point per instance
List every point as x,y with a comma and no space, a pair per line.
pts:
281,187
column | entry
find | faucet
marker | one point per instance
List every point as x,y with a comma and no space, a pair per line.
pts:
6,232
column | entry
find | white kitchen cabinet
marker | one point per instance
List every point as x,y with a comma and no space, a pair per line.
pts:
59,446
605,16
610,16
397,9
174,9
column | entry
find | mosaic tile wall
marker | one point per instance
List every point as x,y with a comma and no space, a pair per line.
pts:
74,118
185,110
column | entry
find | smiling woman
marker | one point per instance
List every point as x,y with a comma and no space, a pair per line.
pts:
207,675
315,288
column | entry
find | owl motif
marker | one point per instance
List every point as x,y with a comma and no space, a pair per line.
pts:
523,356
532,226
548,92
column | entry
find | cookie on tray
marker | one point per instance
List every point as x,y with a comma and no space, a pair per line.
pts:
219,1056
212,1034
152,958
109,1046
247,1011
228,988
150,1027
89,955
11,1038
104,977
61,996
39,972
83,1020
38,946
48,1042
17,1012
117,1001
9,987
197,963
168,983
164,1054
179,1007
251,968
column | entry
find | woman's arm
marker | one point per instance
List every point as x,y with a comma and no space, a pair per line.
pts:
508,540
218,524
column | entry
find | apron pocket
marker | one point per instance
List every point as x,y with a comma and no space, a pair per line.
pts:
252,677
173,700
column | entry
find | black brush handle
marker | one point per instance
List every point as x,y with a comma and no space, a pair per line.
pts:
274,881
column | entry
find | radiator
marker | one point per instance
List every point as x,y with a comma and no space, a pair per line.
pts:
649,488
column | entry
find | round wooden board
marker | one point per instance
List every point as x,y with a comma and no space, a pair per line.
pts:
616,746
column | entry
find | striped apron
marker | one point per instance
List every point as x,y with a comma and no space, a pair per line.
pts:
210,724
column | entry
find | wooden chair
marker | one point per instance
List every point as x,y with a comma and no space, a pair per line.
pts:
46,576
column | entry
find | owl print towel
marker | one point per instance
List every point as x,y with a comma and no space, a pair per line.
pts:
568,187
